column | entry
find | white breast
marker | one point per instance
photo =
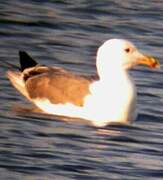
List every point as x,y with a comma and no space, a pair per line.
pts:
112,102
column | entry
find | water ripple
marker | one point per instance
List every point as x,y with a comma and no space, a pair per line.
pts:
67,34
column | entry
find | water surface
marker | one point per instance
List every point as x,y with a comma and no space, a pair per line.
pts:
67,34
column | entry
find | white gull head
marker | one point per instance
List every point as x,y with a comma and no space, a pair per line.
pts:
116,55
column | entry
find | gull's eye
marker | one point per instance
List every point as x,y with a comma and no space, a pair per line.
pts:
127,50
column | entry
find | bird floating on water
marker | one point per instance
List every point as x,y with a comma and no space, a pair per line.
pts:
109,97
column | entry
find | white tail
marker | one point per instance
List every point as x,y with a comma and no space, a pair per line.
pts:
18,82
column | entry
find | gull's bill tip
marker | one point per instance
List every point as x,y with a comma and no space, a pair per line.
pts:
149,61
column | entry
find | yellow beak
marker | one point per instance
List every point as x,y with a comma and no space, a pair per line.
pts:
148,61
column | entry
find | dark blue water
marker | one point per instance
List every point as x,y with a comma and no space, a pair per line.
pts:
67,34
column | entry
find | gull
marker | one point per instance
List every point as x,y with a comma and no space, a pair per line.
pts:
109,97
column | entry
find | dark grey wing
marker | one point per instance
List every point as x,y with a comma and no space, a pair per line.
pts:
58,86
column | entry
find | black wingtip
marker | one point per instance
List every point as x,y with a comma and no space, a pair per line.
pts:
26,61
